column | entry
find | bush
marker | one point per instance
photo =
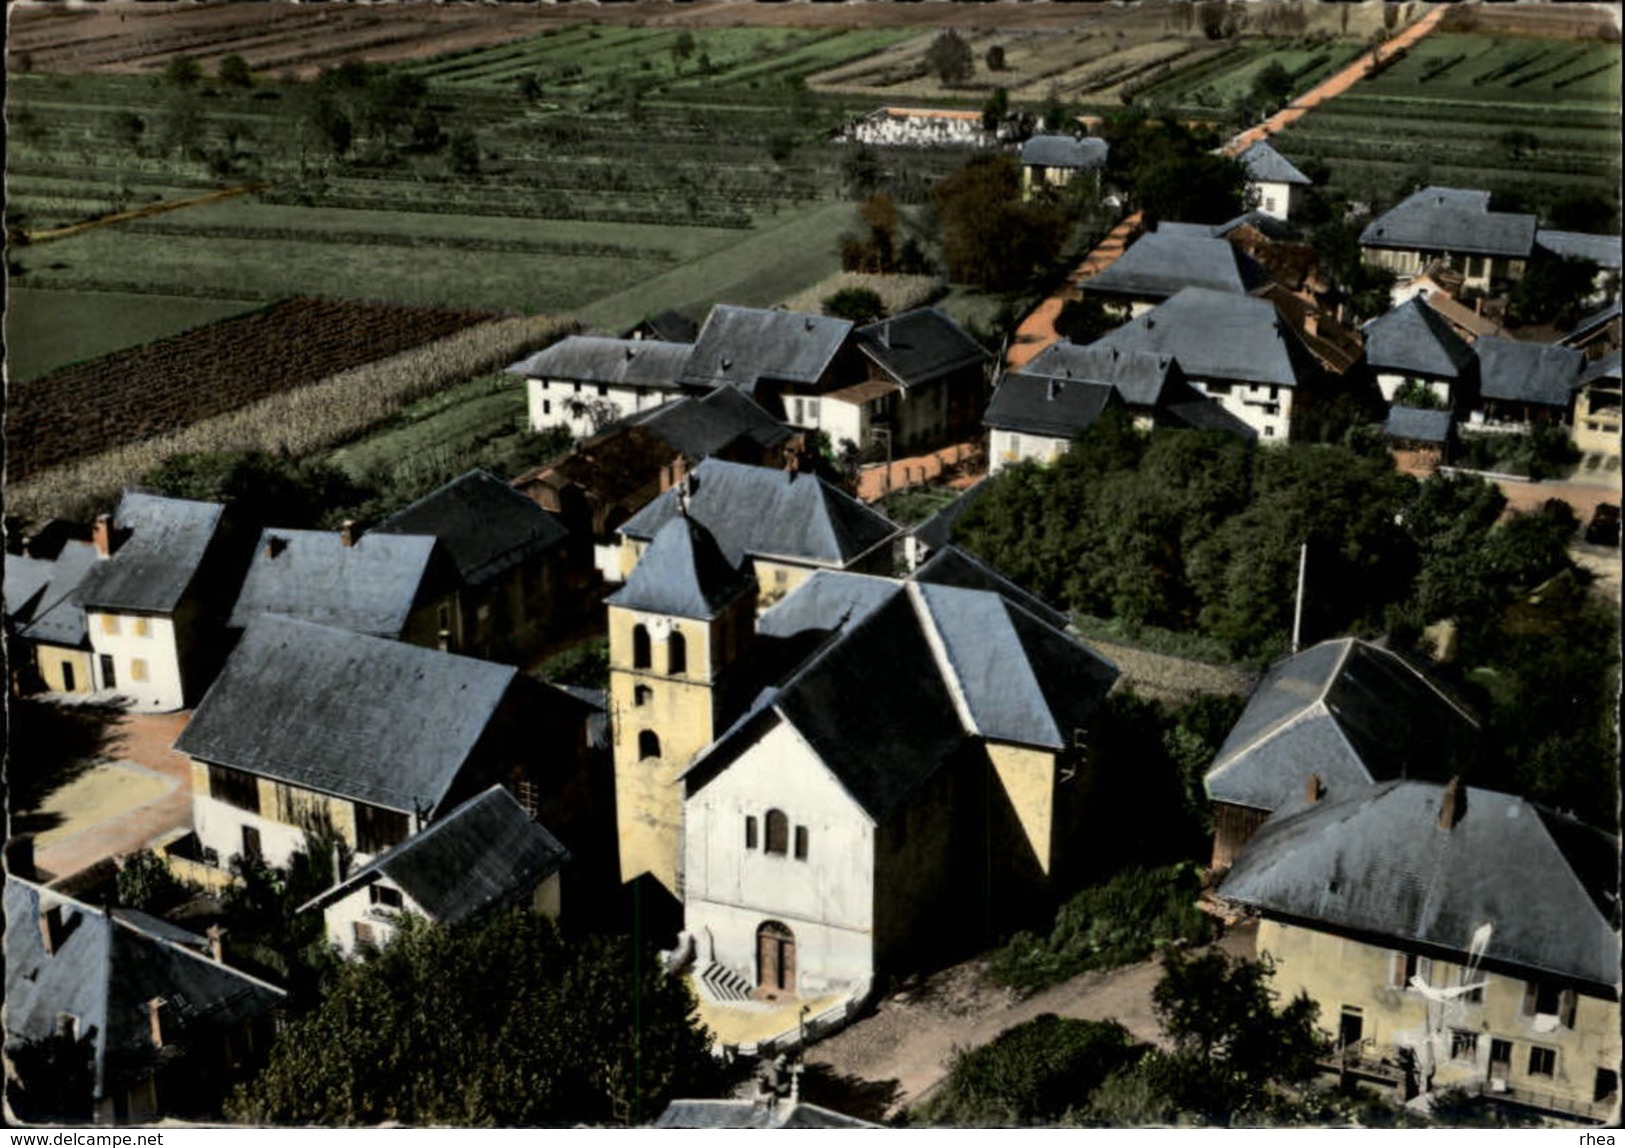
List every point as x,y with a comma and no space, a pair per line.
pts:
1125,920
585,665
145,883
861,305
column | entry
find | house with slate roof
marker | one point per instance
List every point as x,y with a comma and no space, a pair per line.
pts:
1414,349
1596,407
378,739
46,635
385,585
783,525
1453,938
785,360
1233,349
152,600
584,382
915,775
1489,248
926,384
486,855
1334,718
166,1028
1051,162
1161,264
1273,183
518,578
1525,384
1420,438
1035,419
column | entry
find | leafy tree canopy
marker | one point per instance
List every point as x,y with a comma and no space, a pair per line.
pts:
1552,290
264,489
950,58
990,238
503,1024
861,305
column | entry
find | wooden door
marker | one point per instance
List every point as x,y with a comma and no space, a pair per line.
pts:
775,958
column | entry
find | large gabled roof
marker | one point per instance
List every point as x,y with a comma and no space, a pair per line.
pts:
1139,377
701,427
484,526
1064,151
105,971
1375,860
1220,336
1455,220
1528,372
683,572
152,570
1266,165
614,362
57,617
369,586
1347,711
486,853
759,512
368,719
1055,408
740,346
918,346
1415,339
25,582
1163,263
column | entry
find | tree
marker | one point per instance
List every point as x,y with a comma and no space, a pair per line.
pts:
1029,1075
682,48
860,305
145,883
1199,188
53,1079
996,108
877,252
264,489
1084,320
989,237
950,58
183,72
463,152
995,58
1552,290
1272,86
234,72
500,1024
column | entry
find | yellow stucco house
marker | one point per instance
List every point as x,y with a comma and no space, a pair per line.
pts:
1452,937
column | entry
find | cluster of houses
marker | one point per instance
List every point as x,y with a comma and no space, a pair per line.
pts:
829,749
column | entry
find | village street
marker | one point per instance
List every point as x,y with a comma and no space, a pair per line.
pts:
893,1058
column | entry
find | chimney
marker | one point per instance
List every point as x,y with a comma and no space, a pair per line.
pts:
52,928
1313,790
1150,323
348,532
1054,389
274,545
158,1012
1311,324
810,322
631,353
1451,805
885,335
103,536
217,941
1478,305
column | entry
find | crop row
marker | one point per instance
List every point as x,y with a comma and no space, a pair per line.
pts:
640,211
173,382
300,421
507,245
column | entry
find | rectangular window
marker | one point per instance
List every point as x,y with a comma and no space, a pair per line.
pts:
234,787
143,628
110,624
109,678
138,669
385,896
750,832
801,843
1403,966
603,390
1269,432
1463,1045
1015,446
547,406
377,829
1542,1061
363,934
251,844
1500,1053
1607,1083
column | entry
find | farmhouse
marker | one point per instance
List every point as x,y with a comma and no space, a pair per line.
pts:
1161,264
310,724
151,599
1525,384
1412,349
1051,162
1452,937
48,642
517,576
1597,406
1273,183
162,1021
1489,248
585,382
926,384
1233,349
487,854
1034,418
1332,719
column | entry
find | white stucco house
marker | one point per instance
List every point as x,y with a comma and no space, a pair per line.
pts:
585,382
1273,182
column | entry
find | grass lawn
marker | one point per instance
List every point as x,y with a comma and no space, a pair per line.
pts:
50,329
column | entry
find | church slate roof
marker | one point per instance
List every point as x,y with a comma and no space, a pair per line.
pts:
1415,339
956,566
483,525
936,532
1347,711
759,512
152,571
683,572
369,719
486,853
1374,860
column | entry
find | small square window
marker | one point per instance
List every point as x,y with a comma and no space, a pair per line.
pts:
1542,1061
142,629
1463,1044
138,669
110,624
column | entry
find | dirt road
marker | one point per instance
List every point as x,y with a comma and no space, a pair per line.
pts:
893,1058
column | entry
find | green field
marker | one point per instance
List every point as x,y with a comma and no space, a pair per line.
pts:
1442,113
50,329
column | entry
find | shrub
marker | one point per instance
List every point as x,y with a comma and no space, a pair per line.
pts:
861,305
146,883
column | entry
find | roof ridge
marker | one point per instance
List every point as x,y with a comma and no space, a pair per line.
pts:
939,652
